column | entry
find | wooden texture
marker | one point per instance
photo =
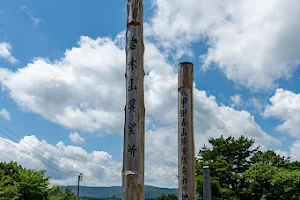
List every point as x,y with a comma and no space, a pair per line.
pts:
134,126
186,149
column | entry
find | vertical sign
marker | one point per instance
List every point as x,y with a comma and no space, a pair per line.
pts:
206,184
186,152
132,128
133,150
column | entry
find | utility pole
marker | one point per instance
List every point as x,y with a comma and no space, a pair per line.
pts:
134,126
206,184
186,149
79,179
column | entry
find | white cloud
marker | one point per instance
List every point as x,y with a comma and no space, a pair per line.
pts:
98,167
160,86
5,52
282,153
256,104
85,91
76,138
35,20
5,114
82,91
295,148
254,42
210,120
285,105
236,100
30,13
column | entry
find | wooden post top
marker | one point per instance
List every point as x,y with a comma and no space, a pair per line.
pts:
134,12
185,74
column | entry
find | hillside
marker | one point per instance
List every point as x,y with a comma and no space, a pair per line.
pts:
151,192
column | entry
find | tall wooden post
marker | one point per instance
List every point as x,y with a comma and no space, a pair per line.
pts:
134,127
206,184
186,149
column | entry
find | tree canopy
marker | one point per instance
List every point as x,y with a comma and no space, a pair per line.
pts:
18,183
167,197
239,170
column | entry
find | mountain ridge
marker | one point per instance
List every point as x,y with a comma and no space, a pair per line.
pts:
151,192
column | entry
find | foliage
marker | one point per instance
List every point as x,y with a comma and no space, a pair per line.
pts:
167,197
215,186
238,170
18,183
293,165
271,182
57,193
227,159
270,158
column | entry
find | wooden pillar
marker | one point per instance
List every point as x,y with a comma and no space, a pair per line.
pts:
133,150
186,149
206,184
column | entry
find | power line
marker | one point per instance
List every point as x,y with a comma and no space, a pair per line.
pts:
86,180
94,192
32,156
32,146
36,155
66,168
27,154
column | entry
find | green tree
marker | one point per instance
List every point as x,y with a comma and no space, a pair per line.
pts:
270,158
295,165
18,183
57,193
167,197
215,186
227,159
270,182
21,183
240,171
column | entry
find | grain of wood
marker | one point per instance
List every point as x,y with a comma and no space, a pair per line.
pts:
134,126
186,149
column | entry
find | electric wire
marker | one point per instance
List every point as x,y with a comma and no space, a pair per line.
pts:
71,173
32,156
26,154
42,153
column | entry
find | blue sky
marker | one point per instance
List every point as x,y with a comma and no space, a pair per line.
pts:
62,79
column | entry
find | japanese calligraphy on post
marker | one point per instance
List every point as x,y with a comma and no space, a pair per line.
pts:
134,125
133,65
184,142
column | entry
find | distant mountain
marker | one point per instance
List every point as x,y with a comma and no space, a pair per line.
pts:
94,193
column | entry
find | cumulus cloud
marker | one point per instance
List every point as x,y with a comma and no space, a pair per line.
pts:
5,52
256,104
63,163
254,43
76,138
285,105
236,100
84,91
295,148
5,114
210,120
282,153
